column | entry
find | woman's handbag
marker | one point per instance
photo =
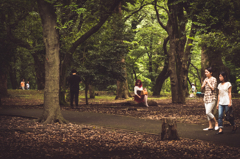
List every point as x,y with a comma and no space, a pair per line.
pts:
229,114
140,93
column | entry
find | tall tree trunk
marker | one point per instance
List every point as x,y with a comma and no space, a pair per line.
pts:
177,55
122,86
164,74
51,112
172,70
86,91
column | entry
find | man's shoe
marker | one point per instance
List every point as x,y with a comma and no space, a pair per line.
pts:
207,129
218,133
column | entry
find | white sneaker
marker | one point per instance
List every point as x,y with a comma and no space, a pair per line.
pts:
216,128
207,129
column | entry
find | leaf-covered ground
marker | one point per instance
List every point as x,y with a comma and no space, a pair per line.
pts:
23,138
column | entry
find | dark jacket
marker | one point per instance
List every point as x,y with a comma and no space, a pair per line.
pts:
74,80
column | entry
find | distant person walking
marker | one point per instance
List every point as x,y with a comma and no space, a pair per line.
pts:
224,101
27,85
193,90
22,84
140,93
74,81
210,84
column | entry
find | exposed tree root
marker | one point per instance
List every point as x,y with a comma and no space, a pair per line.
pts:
51,120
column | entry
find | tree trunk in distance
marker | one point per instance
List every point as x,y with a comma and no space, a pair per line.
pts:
3,84
92,91
86,92
51,112
169,129
122,87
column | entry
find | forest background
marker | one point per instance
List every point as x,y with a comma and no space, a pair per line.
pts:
165,43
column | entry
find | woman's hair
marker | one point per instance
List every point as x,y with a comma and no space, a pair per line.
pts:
209,69
224,74
140,85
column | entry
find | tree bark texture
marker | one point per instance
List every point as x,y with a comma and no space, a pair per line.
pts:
51,112
122,86
212,61
86,92
169,129
178,56
160,80
164,74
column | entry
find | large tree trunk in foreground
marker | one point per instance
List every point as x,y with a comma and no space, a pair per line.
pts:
51,112
177,54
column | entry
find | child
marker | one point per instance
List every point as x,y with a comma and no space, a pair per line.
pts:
193,90
27,85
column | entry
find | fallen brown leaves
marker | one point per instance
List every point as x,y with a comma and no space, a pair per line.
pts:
23,138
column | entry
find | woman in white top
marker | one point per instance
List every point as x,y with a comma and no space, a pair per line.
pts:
137,91
224,101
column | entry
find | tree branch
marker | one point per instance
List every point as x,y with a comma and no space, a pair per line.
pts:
158,18
94,29
198,75
141,7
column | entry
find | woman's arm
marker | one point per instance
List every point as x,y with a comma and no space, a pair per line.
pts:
135,91
218,99
230,96
203,85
